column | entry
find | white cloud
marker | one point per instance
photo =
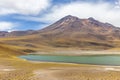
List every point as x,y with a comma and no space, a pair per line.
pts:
117,4
25,7
7,26
104,12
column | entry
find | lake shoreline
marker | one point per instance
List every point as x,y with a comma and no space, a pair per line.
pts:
72,64
77,53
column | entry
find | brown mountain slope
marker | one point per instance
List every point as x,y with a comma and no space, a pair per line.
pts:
70,32
75,28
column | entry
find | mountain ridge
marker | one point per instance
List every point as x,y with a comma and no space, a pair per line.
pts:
82,26
67,20
68,32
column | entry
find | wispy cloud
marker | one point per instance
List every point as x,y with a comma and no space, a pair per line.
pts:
103,11
24,7
117,4
7,26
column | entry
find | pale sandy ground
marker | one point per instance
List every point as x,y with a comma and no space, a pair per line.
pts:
6,68
79,52
74,72
83,72
77,74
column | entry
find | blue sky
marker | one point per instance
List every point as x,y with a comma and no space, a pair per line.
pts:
37,14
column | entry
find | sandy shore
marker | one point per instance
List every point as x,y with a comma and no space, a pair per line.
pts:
58,71
81,72
77,73
79,52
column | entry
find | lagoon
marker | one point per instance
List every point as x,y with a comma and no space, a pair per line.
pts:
113,60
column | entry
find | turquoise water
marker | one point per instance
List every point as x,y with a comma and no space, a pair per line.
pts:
96,60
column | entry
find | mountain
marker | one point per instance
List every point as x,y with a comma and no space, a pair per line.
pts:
73,27
69,32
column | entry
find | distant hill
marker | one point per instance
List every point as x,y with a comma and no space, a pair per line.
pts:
68,32
16,33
